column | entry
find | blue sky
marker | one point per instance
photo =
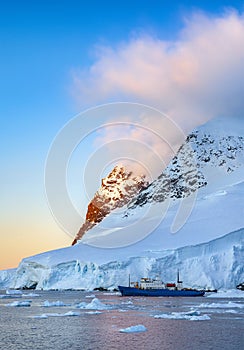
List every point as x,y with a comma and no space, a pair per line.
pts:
42,43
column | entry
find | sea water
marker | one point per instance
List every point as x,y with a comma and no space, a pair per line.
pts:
98,320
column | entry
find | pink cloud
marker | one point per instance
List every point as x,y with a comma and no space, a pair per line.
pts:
197,77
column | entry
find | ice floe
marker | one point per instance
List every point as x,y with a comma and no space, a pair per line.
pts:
230,304
223,311
229,293
134,329
192,315
66,314
57,303
90,296
13,292
40,316
111,293
129,302
6,296
25,303
31,295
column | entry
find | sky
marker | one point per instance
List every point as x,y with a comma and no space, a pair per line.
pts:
60,58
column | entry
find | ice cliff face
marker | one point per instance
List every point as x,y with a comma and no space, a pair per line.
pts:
117,189
216,264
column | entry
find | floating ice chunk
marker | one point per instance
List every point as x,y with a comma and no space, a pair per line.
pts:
13,292
81,305
90,296
98,305
40,316
95,304
129,302
199,318
230,293
134,329
66,314
192,315
47,303
230,304
223,311
71,313
16,303
231,311
32,295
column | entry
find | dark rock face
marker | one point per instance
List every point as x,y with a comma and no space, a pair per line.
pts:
117,189
181,178
185,173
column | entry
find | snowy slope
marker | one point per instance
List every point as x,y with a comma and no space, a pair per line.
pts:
217,264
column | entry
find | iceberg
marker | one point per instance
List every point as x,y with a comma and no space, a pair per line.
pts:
95,304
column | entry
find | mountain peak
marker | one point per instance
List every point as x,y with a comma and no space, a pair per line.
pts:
116,190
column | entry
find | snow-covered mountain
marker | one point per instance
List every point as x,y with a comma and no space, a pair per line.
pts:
201,184
216,264
211,157
197,199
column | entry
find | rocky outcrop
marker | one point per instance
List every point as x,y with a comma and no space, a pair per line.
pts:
186,172
117,189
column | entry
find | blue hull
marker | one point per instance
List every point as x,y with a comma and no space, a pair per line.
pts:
136,292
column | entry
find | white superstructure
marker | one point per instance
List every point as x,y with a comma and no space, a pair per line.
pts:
148,283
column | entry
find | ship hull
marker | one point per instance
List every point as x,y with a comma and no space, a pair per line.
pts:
136,292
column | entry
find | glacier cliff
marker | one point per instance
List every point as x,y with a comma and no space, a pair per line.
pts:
215,264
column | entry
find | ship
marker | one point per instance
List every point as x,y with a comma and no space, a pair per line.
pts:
149,287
